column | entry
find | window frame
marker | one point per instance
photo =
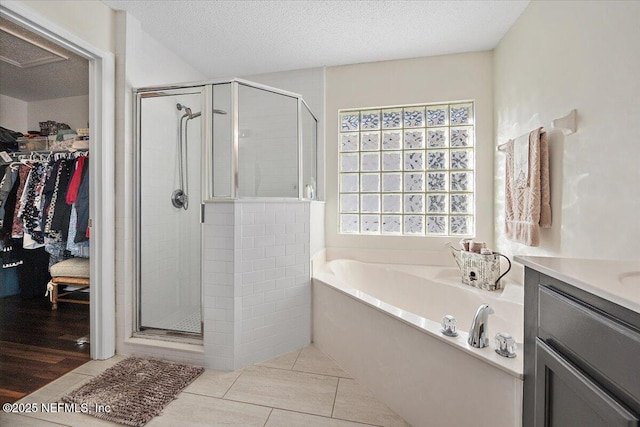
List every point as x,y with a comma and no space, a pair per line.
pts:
375,121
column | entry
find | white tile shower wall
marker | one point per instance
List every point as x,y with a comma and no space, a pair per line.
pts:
275,290
257,301
218,284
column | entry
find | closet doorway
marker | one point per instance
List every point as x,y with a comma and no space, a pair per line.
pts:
58,339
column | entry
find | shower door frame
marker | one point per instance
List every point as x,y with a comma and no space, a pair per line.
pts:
235,82
235,139
205,150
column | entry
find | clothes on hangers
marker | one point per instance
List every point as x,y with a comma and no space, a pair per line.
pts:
5,187
73,247
59,210
74,185
35,212
50,188
34,273
31,211
9,175
82,207
12,248
17,230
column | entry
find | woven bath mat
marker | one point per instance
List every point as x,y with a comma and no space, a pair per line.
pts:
135,390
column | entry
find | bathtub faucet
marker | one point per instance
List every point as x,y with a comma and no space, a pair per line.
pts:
478,332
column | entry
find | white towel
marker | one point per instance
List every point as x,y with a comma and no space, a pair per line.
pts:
521,161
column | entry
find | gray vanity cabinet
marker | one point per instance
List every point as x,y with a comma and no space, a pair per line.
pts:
581,357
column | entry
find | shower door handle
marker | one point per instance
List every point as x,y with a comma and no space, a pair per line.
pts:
201,213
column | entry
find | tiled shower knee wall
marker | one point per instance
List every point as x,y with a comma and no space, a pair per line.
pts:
257,290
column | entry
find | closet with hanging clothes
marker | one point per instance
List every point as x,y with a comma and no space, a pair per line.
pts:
44,114
44,203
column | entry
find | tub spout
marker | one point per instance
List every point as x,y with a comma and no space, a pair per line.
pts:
478,336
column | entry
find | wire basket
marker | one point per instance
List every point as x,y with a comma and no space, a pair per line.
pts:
480,271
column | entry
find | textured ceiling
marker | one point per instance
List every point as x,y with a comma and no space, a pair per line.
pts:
21,51
54,80
233,38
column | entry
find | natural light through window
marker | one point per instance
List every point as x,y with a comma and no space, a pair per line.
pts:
407,170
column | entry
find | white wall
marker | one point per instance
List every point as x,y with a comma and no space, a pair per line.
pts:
561,55
91,20
22,116
412,81
13,114
73,110
137,65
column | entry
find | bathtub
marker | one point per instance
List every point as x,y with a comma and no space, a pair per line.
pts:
381,323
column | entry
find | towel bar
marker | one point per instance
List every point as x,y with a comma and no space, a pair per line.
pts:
566,124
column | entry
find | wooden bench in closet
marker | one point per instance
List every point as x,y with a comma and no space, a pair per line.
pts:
73,272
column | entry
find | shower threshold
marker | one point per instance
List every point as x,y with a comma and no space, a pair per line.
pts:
167,335
183,326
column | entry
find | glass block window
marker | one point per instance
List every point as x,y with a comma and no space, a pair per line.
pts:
407,170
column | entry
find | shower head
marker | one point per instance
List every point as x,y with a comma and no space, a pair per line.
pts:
187,110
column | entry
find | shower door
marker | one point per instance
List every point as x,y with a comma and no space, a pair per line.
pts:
169,155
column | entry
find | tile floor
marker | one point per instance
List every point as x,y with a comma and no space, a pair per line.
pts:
301,388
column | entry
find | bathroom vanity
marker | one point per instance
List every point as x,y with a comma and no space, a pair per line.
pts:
582,342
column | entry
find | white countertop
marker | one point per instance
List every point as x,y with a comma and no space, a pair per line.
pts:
616,281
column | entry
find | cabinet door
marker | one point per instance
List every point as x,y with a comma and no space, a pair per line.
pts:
612,349
565,397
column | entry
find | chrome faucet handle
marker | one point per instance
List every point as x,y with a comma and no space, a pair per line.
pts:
449,324
505,345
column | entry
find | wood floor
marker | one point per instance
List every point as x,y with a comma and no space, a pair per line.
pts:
38,345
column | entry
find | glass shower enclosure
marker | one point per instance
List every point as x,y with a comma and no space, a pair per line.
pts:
230,139
266,147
